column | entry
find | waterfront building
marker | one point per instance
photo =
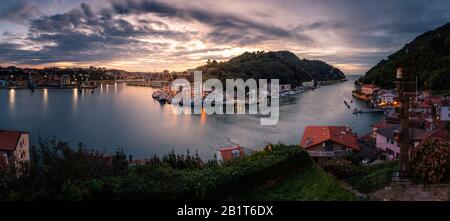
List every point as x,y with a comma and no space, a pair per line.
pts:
308,84
369,89
386,97
421,110
64,80
285,87
329,141
14,147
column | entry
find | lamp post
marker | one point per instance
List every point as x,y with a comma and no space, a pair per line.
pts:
404,122
405,91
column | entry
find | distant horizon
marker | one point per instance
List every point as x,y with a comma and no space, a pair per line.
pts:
41,68
153,35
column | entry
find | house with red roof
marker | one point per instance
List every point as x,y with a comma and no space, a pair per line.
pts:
386,138
329,141
422,110
226,154
14,147
369,89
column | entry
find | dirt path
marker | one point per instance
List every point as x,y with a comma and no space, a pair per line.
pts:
413,192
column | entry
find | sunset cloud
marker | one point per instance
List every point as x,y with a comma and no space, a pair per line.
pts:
145,35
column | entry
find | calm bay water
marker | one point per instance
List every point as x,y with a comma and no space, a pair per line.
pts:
119,115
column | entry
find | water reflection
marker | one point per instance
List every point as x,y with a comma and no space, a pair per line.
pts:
74,100
203,116
12,99
45,99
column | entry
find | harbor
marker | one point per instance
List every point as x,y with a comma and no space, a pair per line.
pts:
127,116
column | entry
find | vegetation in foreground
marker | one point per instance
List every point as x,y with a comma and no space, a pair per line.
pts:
58,172
279,172
308,184
431,161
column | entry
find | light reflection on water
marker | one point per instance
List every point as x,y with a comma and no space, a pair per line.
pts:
129,117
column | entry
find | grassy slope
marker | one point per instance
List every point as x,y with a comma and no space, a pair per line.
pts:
308,184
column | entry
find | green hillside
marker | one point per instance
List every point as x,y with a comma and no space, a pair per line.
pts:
427,58
282,65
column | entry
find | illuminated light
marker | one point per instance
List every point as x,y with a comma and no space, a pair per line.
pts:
12,97
203,116
75,99
45,98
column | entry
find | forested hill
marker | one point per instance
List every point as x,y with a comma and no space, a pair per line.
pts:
427,58
282,65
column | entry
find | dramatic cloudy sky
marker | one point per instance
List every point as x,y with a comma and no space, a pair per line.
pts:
146,35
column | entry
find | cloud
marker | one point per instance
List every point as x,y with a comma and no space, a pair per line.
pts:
19,13
109,33
226,27
80,34
184,33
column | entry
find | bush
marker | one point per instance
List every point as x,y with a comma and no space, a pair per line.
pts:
340,168
353,158
58,172
367,178
431,160
48,174
214,182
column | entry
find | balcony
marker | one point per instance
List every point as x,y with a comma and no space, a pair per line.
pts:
334,153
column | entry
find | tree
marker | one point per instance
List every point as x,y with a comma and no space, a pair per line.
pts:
431,160
119,162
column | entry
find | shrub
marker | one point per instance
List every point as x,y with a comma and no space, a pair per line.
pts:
431,160
57,172
214,182
340,168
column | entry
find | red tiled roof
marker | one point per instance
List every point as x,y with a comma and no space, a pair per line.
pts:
315,135
9,139
370,86
423,136
382,124
227,152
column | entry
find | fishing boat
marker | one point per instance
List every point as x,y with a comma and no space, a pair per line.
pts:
156,94
161,99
